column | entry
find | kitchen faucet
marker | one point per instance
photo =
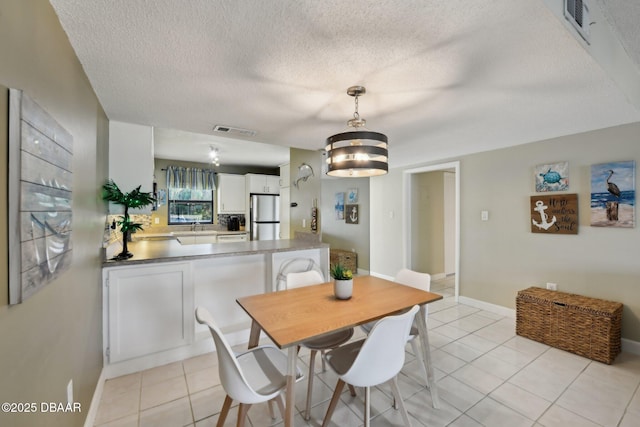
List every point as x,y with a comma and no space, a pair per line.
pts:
194,225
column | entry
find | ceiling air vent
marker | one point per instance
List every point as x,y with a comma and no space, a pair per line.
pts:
234,131
577,12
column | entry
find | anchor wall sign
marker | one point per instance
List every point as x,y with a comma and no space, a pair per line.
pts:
556,214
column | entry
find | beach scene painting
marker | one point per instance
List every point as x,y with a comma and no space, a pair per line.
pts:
613,195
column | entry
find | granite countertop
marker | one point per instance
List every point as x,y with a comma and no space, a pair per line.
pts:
155,251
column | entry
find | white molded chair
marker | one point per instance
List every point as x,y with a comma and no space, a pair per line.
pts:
255,376
372,361
420,281
327,342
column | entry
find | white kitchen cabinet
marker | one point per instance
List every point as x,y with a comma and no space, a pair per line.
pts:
149,309
285,176
135,167
231,190
229,238
262,184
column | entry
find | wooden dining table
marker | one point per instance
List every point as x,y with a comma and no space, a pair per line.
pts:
293,316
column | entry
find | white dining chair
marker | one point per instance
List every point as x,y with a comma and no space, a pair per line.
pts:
327,342
416,280
254,376
372,361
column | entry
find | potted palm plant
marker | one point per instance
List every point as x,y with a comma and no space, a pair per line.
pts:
133,199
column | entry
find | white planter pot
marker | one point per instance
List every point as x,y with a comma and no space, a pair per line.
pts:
343,289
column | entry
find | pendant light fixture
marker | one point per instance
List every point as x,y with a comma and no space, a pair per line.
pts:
358,152
213,155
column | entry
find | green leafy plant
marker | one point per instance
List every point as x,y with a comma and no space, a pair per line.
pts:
133,199
340,272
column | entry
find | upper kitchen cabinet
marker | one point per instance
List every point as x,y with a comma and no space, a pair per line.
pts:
263,184
131,158
232,194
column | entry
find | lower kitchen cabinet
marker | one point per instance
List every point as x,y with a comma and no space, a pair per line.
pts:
149,309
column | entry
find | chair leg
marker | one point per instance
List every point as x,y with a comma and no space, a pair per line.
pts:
398,400
270,406
224,411
334,402
312,358
280,404
324,364
418,354
367,407
242,414
352,390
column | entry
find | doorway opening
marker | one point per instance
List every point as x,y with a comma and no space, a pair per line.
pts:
447,249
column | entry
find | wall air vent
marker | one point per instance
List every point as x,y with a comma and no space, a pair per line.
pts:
577,12
234,131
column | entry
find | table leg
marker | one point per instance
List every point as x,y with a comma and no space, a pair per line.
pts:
290,402
426,355
254,335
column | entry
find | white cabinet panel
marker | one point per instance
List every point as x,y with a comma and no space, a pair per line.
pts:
231,194
262,184
150,309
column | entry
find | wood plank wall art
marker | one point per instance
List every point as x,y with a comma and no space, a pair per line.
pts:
40,190
556,214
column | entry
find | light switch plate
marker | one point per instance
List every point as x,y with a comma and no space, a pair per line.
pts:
484,215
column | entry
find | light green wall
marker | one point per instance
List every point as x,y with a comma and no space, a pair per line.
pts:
428,222
337,233
501,256
56,334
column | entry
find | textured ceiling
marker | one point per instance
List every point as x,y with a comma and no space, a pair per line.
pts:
443,78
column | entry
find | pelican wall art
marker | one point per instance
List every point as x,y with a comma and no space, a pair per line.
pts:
40,188
613,195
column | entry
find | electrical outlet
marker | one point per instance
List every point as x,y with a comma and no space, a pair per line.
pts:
304,223
156,220
552,286
70,391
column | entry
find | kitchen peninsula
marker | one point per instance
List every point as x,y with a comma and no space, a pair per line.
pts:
149,299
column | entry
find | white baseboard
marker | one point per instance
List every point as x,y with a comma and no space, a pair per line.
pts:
90,420
493,308
628,346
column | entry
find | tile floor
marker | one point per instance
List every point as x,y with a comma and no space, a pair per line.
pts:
487,376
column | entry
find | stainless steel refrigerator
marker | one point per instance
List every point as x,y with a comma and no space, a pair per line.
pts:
265,217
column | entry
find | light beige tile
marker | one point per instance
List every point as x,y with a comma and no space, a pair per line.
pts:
162,373
521,401
480,380
495,366
208,402
488,412
123,384
171,414
458,394
118,406
202,379
128,421
560,417
465,421
204,361
163,392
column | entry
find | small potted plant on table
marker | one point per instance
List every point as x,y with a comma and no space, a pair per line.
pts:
342,281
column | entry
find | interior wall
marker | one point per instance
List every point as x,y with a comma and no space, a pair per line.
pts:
56,334
306,193
337,233
501,256
427,225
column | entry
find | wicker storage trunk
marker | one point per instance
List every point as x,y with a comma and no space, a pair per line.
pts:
347,258
586,326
